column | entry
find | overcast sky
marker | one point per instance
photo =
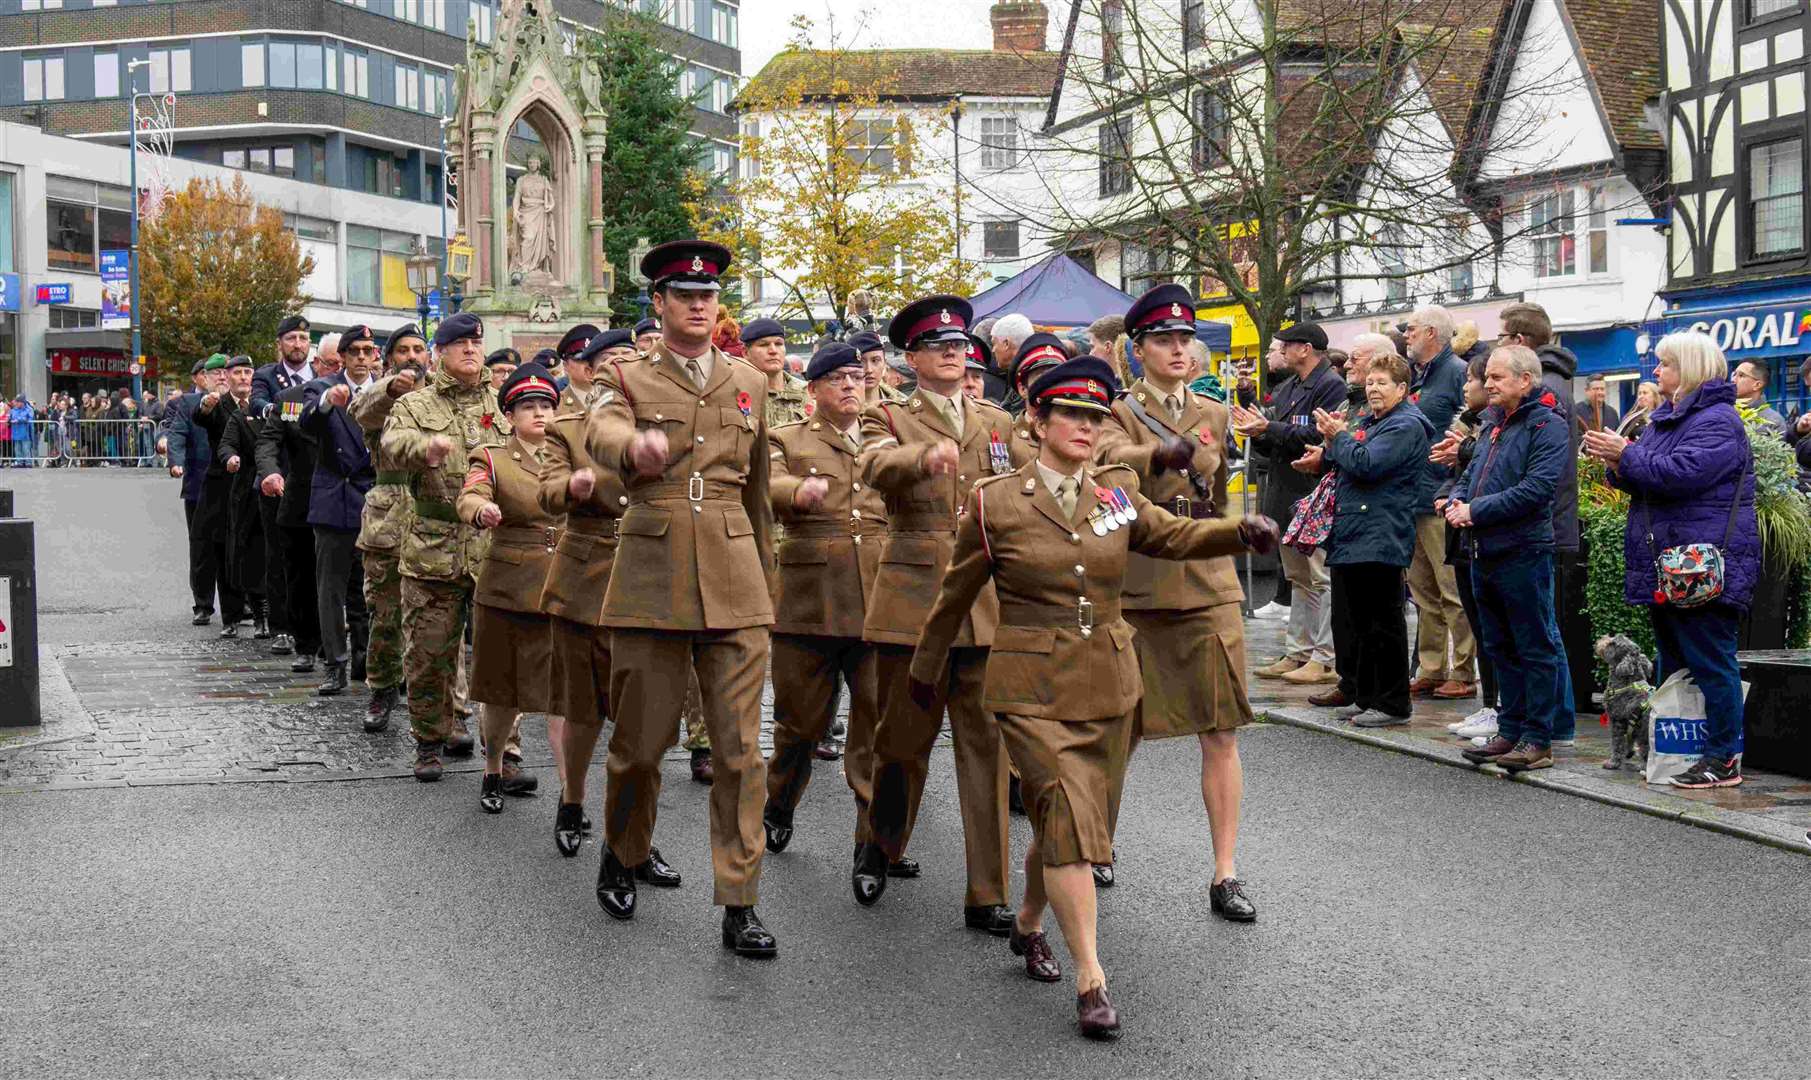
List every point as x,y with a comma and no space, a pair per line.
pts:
868,24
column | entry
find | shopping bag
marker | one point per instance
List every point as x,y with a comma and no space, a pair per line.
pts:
1677,727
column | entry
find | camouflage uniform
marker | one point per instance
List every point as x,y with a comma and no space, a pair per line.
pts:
789,404
440,554
385,520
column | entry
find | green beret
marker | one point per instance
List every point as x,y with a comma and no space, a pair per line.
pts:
215,362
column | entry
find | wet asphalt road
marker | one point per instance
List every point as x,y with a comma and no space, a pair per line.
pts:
1416,921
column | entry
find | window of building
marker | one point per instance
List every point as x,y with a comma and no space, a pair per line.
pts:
70,235
871,144
1000,239
1776,197
106,73
434,96
251,64
377,267
1597,232
1194,24
1391,251
355,73
1761,9
69,318
724,30
408,87
44,78
1459,281
999,142
170,69
1112,38
483,19
6,223
1115,151
308,66
1212,129
1550,227
40,5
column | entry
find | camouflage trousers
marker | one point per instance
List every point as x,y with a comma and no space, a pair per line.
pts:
383,603
697,736
434,614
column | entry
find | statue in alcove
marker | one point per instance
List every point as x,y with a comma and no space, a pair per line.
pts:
534,217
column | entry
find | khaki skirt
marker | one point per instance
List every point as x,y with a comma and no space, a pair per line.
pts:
581,672
1071,775
1194,671
512,659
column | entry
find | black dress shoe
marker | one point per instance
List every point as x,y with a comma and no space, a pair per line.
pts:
336,679
1015,796
1103,873
827,750
615,887
1095,1015
303,664
778,835
702,770
515,781
656,872
567,836
282,645
202,618
904,867
377,714
490,794
1040,962
1228,899
743,932
996,919
229,630
869,878
460,742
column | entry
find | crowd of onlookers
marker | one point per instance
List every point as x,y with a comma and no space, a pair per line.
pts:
103,428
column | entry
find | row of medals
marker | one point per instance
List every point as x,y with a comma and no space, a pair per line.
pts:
1112,509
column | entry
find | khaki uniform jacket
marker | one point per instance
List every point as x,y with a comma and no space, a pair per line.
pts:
522,545
570,402
437,546
1062,650
386,515
1024,445
923,511
1151,584
580,570
828,558
699,537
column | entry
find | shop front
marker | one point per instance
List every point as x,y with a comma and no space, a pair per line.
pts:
91,370
1768,321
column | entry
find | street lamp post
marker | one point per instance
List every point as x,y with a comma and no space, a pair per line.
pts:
137,335
422,269
636,254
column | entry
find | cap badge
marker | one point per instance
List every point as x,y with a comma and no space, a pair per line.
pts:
943,316
1093,387
697,264
1176,311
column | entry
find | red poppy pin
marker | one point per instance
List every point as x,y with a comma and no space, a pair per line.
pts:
1415,397
489,418
1549,400
745,403
1359,434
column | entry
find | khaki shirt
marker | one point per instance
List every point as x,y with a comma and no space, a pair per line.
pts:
437,546
699,535
1062,650
521,546
827,559
386,515
923,510
580,571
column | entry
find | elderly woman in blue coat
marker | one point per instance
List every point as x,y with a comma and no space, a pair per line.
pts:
1380,463
1692,478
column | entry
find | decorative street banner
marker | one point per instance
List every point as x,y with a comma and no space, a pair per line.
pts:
116,290
6,622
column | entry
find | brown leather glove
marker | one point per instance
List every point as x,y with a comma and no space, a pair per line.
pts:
1174,454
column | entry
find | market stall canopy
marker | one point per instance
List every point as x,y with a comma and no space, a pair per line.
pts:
1058,291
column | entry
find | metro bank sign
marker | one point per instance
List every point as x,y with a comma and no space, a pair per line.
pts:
1758,332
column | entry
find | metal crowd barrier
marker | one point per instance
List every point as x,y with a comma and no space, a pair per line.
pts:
80,443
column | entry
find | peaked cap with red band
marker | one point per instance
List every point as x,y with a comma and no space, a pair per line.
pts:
1163,308
931,320
1083,383
576,338
694,264
1037,354
526,383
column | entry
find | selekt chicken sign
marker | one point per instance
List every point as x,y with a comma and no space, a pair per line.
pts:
1759,331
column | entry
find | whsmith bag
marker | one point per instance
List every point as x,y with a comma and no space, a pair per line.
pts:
1677,726
1690,575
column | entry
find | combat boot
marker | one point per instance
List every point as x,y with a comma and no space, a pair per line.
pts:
460,742
336,680
427,762
377,716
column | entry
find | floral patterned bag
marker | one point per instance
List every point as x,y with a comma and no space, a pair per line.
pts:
1313,521
1691,575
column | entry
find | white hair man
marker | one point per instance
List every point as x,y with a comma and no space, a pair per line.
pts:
1009,332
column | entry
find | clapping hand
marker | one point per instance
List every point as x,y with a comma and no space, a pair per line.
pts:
1458,514
1329,424
1310,462
1446,451
1248,422
1605,446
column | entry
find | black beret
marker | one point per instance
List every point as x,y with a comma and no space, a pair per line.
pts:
832,357
1085,382
527,383
201,365
352,335
1304,333
546,358
576,338
866,341
762,328
291,323
239,361
647,326
406,330
606,339
505,355
458,327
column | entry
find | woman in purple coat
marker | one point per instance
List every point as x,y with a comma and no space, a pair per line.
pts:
1692,478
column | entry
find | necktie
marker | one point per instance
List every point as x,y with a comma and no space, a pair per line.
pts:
1174,403
854,443
697,373
1066,493
954,412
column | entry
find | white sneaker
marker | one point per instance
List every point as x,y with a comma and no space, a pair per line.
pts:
1480,740
1483,725
1485,713
1271,612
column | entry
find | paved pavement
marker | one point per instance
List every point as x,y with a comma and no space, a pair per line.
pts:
1417,921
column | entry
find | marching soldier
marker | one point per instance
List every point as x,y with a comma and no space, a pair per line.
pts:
429,432
874,367
285,457
647,335
245,546
211,517
1037,354
500,365
787,401
685,426
384,520
188,450
1191,638
581,365
924,454
828,555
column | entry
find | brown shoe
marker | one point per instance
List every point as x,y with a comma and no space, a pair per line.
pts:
1311,673
1454,690
1490,751
1040,963
1332,699
1278,669
1096,1015
1526,756
1421,686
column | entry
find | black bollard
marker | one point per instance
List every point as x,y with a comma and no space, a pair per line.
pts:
19,699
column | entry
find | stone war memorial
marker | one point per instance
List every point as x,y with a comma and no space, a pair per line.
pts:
526,148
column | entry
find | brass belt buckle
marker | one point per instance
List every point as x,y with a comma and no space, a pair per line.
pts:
616,528
1182,506
549,538
1084,616
694,489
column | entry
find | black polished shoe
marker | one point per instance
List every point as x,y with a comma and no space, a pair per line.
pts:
702,770
336,680
490,794
996,919
515,781
869,878
230,630
1040,962
615,887
903,867
1103,873
567,835
656,872
427,762
743,932
377,714
827,750
303,664
202,618
460,742
778,835
282,645
1015,796
1228,899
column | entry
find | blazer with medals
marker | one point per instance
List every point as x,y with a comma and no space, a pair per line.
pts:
923,511
699,536
343,471
1062,650
521,546
827,558
285,449
579,573
1162,585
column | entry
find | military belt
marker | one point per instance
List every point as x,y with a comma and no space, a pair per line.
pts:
437,510
1183,506
830,530
594,525
1083,614
697,489
394,476
527,535
922,522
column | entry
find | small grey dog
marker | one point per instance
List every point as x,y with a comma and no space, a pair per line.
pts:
1625,698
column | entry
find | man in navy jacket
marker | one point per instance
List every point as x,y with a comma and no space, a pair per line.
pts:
1503,506
189,455
343,473
291,369
1437,387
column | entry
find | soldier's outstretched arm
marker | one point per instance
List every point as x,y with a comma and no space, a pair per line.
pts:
1116,446
1160,534
480,488
555,494
781,483
610,427
373,407
884,462
404,442
267,452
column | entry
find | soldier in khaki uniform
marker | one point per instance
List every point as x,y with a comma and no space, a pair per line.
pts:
1191,637
580,385
924,455
1055,539
874,367
684,425
828,556
384,521
1037,354
428,435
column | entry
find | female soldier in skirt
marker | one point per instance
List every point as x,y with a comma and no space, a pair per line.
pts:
512,652
1062,676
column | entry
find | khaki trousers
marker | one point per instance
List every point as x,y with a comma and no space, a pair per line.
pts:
902,757
805,670
647,694
1439,617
